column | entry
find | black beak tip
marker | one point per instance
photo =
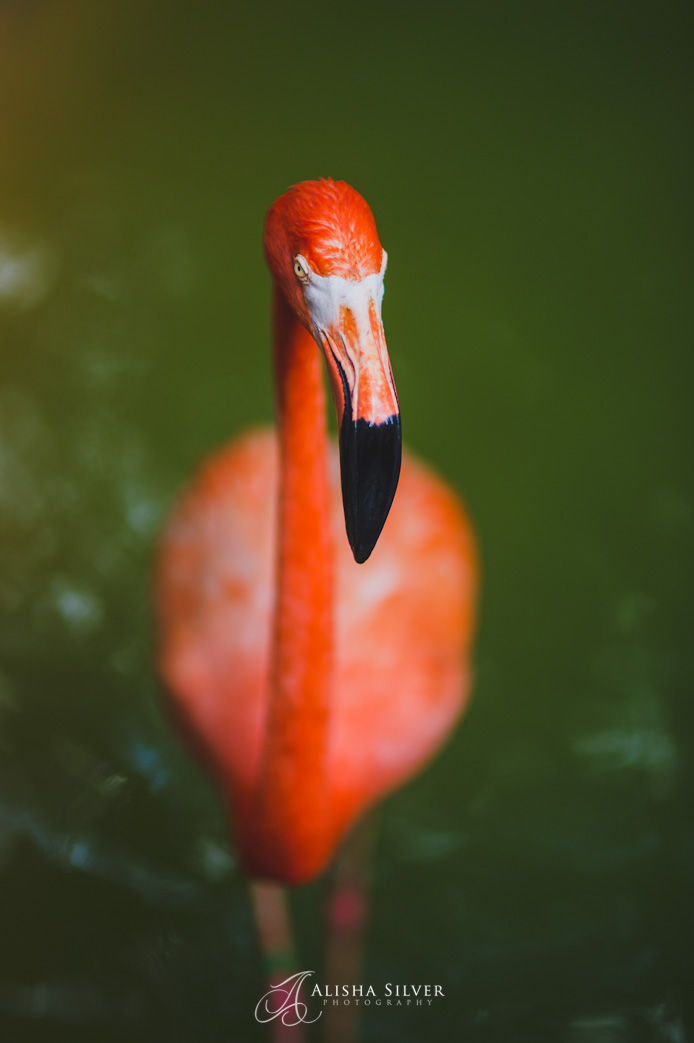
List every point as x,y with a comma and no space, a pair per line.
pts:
370,457
362,551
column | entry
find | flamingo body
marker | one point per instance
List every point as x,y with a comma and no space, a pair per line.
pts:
403,627
314,678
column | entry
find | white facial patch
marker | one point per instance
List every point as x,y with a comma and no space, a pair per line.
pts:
326,295
359,344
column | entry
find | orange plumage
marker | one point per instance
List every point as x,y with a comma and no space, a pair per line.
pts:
312,684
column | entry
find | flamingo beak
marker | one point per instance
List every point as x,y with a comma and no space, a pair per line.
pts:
368,415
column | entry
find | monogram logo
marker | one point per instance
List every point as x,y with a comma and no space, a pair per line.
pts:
283,1001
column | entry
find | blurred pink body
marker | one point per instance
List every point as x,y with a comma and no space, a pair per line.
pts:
404,621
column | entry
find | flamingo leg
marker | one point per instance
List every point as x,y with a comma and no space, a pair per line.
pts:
347,920
276,942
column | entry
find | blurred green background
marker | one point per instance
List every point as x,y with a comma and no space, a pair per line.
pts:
529,167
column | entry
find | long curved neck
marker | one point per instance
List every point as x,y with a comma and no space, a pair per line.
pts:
291,796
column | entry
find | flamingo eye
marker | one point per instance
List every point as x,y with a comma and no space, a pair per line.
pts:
300,269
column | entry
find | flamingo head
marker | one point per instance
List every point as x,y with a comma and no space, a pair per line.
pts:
322,248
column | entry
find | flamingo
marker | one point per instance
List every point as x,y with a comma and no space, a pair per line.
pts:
317,669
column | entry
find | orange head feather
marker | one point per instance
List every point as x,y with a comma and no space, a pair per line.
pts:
329,224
